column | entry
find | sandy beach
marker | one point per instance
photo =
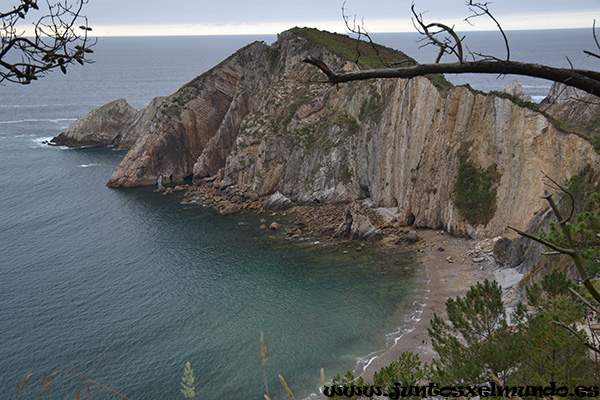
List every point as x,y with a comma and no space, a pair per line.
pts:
448,271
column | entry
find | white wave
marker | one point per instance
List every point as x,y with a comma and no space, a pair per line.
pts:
42,142
537,99
89,165
22,121
34,105
396,340
367,360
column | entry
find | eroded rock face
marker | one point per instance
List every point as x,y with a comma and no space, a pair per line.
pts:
560,93
205,113
261,121
104,126
405,152
357,226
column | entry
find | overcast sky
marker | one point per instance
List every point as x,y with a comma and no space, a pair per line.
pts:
201,17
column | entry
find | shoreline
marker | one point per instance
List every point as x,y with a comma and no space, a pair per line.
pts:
446,273
449,264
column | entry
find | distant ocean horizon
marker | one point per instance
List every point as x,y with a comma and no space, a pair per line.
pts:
125,286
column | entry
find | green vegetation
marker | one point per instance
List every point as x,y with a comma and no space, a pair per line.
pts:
487,345
365,54
346,176
476,343
376,56
475,192
347,122
533,351
585,224
348,385
371,108
407,371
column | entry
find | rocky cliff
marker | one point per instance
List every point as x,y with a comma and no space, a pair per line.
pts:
445,158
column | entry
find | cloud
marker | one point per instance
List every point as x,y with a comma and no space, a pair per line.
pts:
509,22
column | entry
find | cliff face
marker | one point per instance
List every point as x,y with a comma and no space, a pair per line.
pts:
105,126
260,121
204,114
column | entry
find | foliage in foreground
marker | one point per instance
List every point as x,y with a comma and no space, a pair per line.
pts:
477,344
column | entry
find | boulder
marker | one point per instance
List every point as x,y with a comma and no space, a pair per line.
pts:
515,88
278,202
412,237
229,210
357,226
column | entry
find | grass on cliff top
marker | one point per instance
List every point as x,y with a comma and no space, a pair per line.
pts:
376,56
371,55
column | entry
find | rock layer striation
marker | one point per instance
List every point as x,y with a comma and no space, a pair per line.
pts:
262,121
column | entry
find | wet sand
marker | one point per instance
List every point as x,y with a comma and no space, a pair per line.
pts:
446,273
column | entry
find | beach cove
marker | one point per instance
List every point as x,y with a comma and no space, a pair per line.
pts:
127,285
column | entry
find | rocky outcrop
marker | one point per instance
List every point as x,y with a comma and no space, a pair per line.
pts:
560,93
105,126
278,202
515,88
204,114
357,226
115,124
261,121
406,152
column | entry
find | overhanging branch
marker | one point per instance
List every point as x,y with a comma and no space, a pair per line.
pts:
588,81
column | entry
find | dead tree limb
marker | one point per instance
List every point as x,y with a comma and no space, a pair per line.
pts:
570,249
588,81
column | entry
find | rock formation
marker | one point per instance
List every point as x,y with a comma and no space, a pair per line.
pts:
114,124
560,93
515,88
101,127
260,120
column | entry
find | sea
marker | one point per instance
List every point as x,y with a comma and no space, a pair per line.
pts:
124,286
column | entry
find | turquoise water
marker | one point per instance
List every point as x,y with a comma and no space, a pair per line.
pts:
125,286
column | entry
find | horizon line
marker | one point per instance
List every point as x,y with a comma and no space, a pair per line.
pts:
523,22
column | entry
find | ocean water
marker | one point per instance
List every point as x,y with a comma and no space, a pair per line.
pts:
125,286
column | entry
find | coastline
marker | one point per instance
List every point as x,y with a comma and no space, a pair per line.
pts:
449,264
442,279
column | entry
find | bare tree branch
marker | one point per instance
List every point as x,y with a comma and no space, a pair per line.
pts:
59,38
589,53
359,31
587,303
588,81
445,45
570,250
479,9
578,335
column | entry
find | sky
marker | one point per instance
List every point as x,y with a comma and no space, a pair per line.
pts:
223,17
